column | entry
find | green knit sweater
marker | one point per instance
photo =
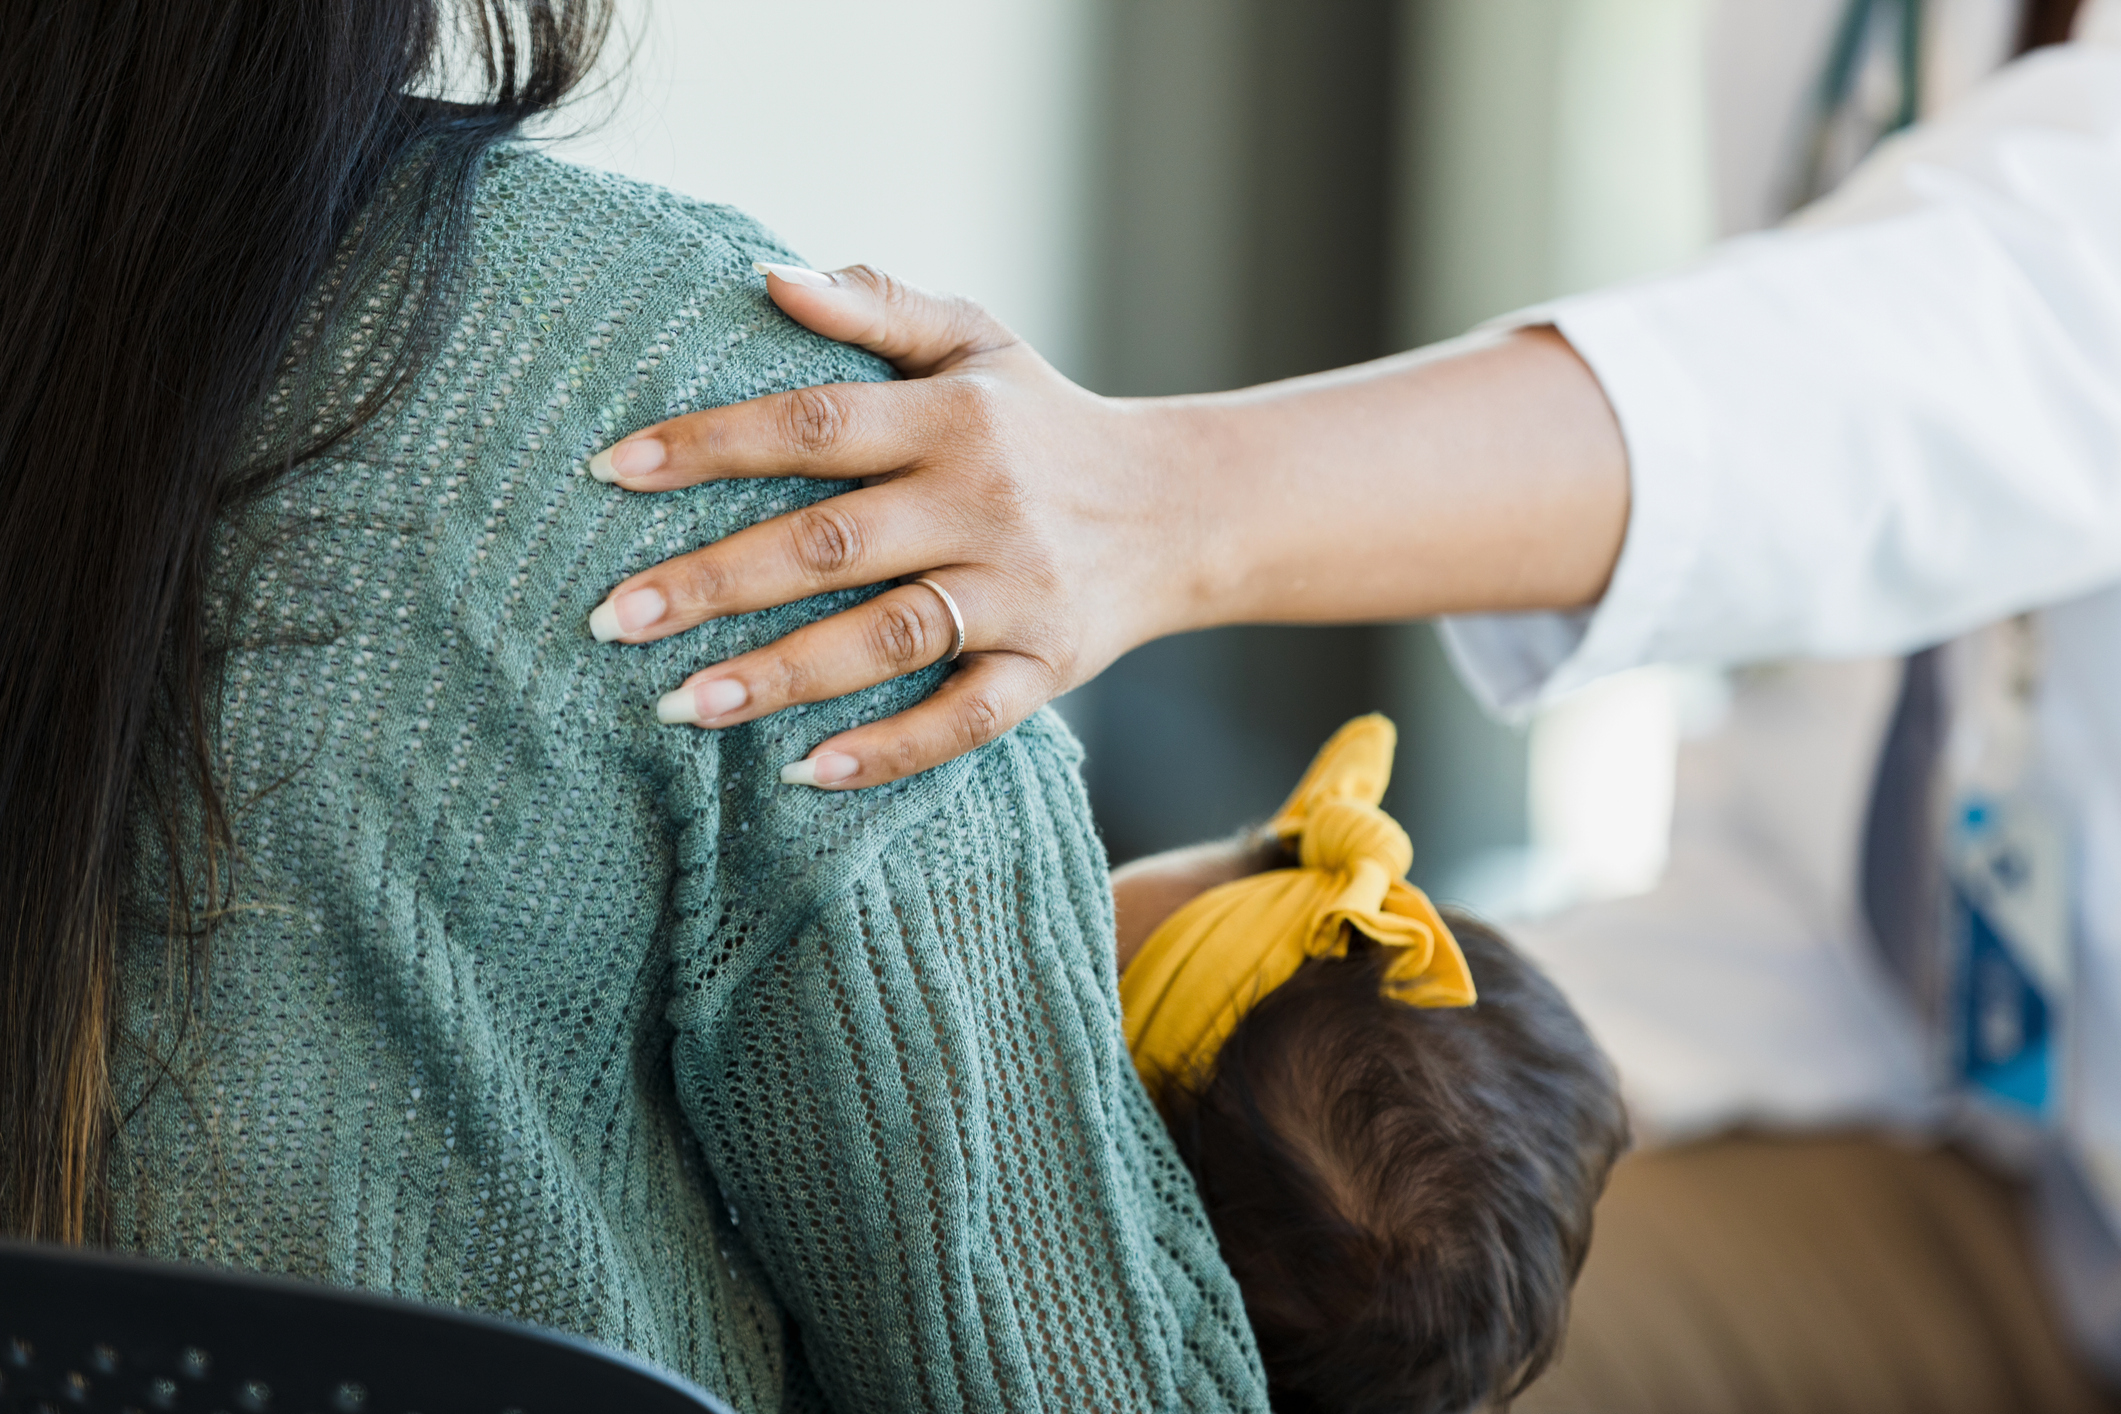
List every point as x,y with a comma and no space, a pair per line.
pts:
531,1005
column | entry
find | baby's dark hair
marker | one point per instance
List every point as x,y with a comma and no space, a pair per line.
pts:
1404,1194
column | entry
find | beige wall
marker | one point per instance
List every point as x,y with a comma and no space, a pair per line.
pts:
947,140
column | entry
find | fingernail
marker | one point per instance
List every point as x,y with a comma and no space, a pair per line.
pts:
637,457
823,770
693,705
795,274
628,613
680,706
720,697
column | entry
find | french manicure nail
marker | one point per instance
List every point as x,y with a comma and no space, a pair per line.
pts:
795,274
678,707
628,613
704,703
826,769
720,697
635,457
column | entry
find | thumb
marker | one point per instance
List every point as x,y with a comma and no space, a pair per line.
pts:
916,332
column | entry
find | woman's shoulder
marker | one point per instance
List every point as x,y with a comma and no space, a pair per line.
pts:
590,306
606,219
611,267
462,532
628,283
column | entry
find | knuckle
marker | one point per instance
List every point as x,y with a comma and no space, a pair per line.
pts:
815,419
827,540
975,408
704,580
978,719
887,287
788,678
705,441
899,637
973,328
1052,660
685,437
955,325
903,756
896,306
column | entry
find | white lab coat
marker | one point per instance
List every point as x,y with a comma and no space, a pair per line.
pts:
1891,423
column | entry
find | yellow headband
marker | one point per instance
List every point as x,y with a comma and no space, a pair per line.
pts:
1213,960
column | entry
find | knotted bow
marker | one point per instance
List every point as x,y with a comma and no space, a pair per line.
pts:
1214,959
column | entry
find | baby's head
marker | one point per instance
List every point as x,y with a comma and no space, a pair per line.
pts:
1404,1194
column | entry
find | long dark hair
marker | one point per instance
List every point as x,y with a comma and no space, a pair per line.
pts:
179,177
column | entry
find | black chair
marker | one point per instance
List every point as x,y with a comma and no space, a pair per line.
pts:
102,1332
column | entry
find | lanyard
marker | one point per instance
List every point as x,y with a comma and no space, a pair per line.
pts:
2005,919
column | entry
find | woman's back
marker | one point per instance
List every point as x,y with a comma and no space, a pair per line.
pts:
527,1003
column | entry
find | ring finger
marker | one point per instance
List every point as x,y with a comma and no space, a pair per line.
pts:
898,632
865,536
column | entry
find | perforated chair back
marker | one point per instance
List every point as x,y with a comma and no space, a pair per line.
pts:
94,1331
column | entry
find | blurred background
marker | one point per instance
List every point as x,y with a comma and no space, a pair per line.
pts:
1172,196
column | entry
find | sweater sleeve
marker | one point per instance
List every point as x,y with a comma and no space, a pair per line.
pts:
893,1012
917,1104
1892,422
521,984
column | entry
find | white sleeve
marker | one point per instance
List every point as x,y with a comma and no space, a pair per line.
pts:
1893,421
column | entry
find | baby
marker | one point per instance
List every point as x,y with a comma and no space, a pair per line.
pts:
1401,1178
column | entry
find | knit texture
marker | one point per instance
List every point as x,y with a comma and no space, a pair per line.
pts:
531,1005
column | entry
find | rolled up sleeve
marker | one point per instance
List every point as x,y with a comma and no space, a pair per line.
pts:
1891,422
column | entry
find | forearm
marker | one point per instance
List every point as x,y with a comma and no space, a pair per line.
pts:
1055,530
1822,434
1480,475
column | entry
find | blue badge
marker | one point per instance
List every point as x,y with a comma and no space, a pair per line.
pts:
2007,926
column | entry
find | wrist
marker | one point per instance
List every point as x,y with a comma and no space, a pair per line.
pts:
1194,512
1182,572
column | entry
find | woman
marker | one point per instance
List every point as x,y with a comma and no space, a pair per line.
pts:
1884,428
362,925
